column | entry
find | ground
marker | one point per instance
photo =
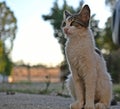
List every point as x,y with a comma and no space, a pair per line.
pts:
35,101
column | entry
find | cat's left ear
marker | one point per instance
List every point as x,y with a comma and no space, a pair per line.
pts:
85,14
66,14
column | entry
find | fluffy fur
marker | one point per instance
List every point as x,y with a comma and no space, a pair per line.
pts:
89,82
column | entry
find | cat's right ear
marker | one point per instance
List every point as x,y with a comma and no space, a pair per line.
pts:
66,14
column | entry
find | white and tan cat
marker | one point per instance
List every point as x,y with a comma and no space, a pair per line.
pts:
89,82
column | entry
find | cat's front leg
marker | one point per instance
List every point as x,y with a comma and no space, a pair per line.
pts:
79,91
90,85
76,105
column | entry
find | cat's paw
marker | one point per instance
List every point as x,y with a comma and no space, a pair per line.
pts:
76,105
89,106
100,106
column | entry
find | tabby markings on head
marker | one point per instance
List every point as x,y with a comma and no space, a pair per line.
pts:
74,21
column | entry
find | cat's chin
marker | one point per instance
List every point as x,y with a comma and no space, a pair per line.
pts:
67,36
67,33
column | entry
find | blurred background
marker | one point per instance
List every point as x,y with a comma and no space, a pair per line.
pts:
32,42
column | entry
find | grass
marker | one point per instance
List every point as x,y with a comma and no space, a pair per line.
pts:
116,91
43,88
35,88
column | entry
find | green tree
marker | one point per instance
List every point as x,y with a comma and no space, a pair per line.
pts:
56,17
104,40
2,58
5,63
8,27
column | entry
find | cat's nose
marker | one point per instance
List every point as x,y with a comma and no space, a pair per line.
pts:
66,30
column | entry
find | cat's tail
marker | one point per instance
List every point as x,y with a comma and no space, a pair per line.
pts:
70,86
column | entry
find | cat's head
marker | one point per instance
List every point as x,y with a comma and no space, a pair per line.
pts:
76,23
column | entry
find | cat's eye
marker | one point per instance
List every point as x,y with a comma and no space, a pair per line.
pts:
63,24
77,24
73,23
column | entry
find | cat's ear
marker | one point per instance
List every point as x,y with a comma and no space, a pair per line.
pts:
66,14
85,14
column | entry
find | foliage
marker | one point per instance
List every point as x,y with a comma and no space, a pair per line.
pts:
94,26
34,88
2,58
7,26
55,17
5,62
9,66
113,64
8,29
104,41
116,92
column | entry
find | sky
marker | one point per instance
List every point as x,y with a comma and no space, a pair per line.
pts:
35,43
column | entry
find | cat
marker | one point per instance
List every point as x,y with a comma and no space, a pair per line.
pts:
89,82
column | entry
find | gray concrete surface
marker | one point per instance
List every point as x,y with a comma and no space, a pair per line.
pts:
32,101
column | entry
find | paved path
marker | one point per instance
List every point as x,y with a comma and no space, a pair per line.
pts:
32,101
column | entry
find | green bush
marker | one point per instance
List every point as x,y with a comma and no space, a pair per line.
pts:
116,92
113,65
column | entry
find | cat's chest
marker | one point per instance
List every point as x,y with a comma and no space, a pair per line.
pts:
73,51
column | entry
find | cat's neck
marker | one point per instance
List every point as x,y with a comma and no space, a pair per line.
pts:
85,39
79,36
